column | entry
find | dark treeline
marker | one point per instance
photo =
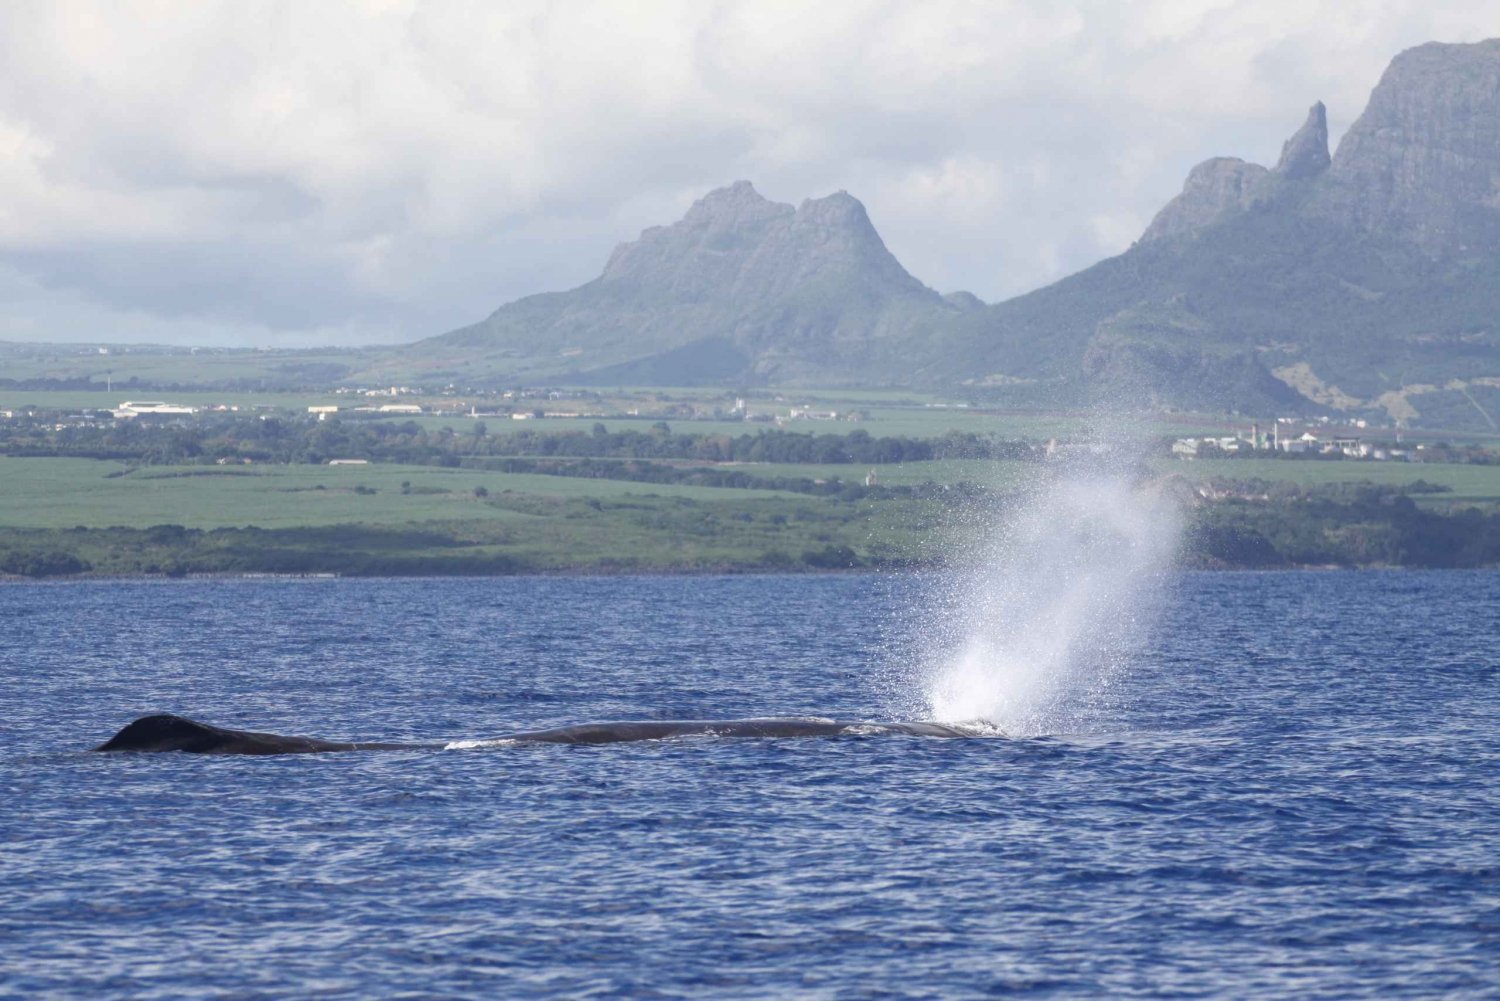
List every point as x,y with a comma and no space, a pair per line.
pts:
646,471
1346,525
75,384
857,447
286,440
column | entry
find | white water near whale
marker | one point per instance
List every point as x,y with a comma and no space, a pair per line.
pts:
1048,603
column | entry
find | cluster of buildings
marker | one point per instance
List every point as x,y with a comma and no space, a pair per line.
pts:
1307,442
390,409
131,409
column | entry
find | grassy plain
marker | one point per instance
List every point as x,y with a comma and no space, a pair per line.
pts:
62,515
63,493
885,413
59,515
387,518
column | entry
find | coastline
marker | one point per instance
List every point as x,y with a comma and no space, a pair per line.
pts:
721,571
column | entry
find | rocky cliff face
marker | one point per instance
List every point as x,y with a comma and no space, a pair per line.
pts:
1214,188
1421,165
1366,281
735,246
740,288
1305,154
1218,188
1423,161
706,251
1373,275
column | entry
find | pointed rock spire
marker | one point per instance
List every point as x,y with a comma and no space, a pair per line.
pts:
1305,154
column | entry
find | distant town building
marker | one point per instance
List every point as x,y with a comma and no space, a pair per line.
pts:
1185,448
152,408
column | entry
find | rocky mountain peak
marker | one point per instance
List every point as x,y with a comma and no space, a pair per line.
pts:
739,287
708,243
837,219
1213,188
1420,165
734,203
1305,154
1423,161
839,207
834,233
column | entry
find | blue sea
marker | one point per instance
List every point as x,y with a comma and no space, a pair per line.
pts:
1291,789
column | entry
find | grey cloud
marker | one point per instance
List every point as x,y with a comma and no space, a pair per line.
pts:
337,172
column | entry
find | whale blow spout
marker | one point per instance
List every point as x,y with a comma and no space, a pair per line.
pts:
165,732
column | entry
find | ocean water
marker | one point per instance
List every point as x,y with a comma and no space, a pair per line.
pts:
1290,786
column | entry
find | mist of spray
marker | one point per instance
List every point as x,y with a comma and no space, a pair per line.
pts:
1051,598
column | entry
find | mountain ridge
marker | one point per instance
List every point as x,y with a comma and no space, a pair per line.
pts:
1366,280
1362,282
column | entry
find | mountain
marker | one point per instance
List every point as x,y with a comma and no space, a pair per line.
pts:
741,289
1366,282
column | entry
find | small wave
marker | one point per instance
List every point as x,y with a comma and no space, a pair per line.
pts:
980,728
865,730
477,745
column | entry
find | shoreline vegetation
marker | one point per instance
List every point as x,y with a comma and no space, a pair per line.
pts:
283,493
39,554
647,528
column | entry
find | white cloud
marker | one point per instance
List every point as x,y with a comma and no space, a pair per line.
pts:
283,172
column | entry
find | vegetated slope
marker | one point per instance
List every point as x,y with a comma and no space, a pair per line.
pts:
1366,282
741,289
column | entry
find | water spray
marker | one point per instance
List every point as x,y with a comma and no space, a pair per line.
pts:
1053,595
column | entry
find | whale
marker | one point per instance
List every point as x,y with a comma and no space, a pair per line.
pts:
163,732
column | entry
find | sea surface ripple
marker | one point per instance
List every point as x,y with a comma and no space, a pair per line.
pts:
1292,790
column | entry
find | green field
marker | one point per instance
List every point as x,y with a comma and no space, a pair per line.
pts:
885,413
994,474
60,516
63,515
63,493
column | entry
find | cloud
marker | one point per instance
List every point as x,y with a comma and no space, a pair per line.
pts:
290,172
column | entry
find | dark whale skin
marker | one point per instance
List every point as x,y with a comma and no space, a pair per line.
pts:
165,732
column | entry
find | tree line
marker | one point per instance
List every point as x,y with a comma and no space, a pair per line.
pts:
292,441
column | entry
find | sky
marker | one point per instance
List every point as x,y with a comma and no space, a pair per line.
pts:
307,174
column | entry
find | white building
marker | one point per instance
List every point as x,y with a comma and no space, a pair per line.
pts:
152,408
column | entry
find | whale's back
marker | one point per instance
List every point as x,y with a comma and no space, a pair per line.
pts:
166,732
